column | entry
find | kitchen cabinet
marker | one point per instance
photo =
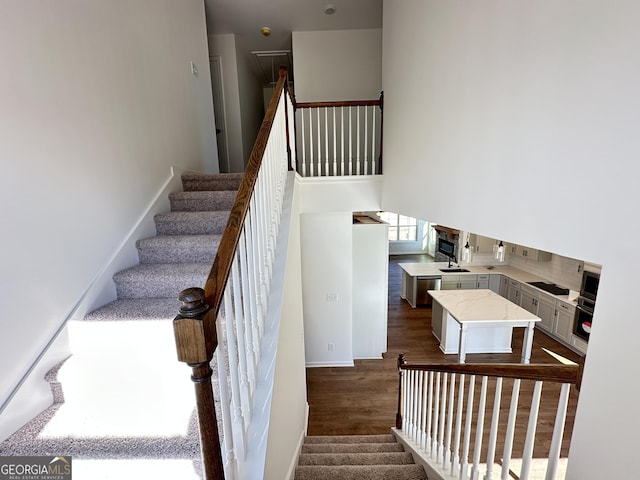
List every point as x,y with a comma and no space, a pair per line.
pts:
458,282
504,286
565,314
514,291
529,299
482,281
494,283
532,254
481,244
546,312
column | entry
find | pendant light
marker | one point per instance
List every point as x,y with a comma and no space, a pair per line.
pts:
466,253
500,252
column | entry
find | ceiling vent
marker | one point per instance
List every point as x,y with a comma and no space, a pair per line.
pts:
269,62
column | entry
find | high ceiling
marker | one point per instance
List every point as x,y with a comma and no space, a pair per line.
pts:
245,18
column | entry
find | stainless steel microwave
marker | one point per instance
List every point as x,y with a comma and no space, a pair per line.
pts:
589,287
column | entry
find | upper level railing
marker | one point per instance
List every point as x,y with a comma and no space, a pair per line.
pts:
339,138
222,325
437,414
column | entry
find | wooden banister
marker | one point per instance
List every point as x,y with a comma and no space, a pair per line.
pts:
531,371
345,103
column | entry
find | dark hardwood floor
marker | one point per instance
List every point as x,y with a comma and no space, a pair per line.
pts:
363,399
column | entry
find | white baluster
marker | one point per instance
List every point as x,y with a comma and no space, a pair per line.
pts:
350,143
527,453
358,141
311,144
319,143
425,411
245,396
373,142
558,431
335,152
493,434
443,416
326,142
365,158
225,402
511,427
238,419
428,439
304,144
467,429
436,417
246,307
456,442
418,402
475,472
450,410
341,140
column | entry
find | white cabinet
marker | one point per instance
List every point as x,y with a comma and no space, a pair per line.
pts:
529,299
494,283
482,281
504,286
458,282
565,314
513,294
546,312
532,254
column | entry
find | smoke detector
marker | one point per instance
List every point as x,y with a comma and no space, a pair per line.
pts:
329,9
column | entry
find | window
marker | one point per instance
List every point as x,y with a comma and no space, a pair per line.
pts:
401,228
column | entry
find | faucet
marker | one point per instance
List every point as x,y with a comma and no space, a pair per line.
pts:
454,259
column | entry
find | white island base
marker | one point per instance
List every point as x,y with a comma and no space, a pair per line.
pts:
479,321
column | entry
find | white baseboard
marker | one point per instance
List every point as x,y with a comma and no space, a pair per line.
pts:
329,364
294,462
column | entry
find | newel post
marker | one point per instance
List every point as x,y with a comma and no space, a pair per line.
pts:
196,341
401,362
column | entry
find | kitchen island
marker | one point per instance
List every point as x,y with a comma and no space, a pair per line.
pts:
479,321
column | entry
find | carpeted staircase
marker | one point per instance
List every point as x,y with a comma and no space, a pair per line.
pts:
124,406
356,457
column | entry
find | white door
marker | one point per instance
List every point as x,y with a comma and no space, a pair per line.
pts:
218,112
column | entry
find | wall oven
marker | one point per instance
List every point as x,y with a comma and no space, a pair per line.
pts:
586,304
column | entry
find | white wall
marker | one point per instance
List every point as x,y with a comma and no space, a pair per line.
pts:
337,65
98,101
243,98
519,119
326,206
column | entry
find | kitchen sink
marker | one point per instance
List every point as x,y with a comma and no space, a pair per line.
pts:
551,288
454,270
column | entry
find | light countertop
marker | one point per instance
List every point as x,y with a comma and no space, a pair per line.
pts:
480,306
432,269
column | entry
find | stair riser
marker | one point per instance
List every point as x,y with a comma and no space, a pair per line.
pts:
171,225
195,254
401,458
156,287
211,182
353,472
202,201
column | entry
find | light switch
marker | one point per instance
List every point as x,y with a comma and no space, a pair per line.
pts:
194,69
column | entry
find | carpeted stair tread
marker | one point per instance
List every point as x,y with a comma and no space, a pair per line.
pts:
350,439
191,223
361,472
211,181
202,201
351,447
380,458
178,249
136,309
160,279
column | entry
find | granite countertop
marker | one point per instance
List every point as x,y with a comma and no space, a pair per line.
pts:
432,269
480,306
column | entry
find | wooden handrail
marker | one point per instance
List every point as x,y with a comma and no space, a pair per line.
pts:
530,371
345,103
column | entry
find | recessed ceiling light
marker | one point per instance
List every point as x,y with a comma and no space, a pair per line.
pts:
329,9
266,31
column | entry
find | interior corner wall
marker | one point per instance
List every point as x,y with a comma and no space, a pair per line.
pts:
337,65
98,102
251,98
224,46
519,120
327,286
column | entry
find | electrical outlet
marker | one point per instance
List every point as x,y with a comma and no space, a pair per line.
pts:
332,297
330,347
